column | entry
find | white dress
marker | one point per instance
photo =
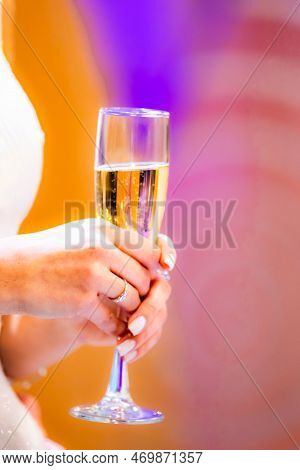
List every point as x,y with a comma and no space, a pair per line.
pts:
21,151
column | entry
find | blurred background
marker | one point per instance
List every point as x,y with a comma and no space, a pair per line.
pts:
226,372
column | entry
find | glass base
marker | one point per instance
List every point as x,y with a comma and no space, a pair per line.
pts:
115,409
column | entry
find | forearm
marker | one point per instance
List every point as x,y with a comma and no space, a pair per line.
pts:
11,283
28,344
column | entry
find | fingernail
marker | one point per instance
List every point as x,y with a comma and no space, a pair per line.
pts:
129,357
125,347
137,325
164,274
170,261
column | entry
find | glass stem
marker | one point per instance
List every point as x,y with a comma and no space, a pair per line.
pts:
118,382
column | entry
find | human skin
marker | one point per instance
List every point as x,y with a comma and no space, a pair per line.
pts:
28,344
42,276
51,339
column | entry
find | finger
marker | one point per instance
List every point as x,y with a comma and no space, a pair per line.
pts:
105,320
150,306
119,312
123,315
131,270
138,353
130,301
130,343
93,336
156,324
168,252
113,286
132,243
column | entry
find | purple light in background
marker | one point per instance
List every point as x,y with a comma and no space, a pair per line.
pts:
156,47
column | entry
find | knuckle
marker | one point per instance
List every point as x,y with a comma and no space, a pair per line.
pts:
132,307
89,271
93,252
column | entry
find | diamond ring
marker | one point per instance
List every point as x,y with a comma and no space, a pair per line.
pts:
123,294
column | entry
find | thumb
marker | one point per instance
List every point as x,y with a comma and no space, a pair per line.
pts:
168,252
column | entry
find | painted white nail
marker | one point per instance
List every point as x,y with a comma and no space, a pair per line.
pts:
125,347
170,261
137,325
130,356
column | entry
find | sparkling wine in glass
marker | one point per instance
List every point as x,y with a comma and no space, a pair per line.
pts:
131,179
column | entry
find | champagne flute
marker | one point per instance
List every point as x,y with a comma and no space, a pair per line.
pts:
131,178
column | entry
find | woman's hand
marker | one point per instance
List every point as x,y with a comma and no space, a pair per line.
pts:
31,344
64,281
68,270
146,323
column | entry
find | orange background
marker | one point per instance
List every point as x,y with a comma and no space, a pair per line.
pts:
226,372
55,67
